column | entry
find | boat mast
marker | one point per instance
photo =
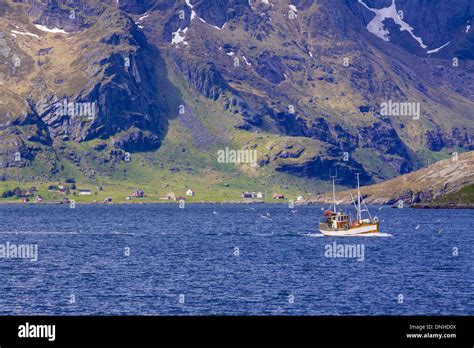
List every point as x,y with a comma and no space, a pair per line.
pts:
334,191
359,213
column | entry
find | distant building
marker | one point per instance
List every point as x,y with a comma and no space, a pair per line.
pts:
278,196
190,192
108,200
138,193
253,194
169,196
84,192
246,195
299,198
39,199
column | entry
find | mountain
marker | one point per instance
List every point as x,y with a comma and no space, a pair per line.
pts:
147,90
449,181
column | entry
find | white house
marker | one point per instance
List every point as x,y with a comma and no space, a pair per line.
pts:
299,198
259,195
190,192
84,192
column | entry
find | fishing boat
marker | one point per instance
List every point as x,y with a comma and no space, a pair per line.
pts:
338,223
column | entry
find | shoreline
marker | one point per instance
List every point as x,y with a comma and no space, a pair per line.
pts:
442,206
414,206
149,202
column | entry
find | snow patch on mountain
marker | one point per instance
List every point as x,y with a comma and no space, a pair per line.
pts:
24,33
140,20
54,30
191,6
293,13
376,26
193,15
438,49
143,17
179,36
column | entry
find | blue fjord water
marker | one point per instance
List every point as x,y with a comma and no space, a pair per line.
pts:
208,259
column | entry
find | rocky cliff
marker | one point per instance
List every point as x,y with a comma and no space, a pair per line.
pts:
425,186
301,81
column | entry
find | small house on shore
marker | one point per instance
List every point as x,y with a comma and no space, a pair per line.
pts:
190,193
84,192
31,191
278,196
138,193
169,197
248,194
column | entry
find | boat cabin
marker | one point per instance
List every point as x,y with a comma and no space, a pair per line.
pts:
337,220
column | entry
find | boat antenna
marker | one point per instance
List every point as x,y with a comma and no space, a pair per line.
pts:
334,189
359,213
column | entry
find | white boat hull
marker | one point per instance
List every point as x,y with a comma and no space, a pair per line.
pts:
362,229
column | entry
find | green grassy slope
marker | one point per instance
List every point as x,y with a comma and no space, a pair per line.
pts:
463,196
